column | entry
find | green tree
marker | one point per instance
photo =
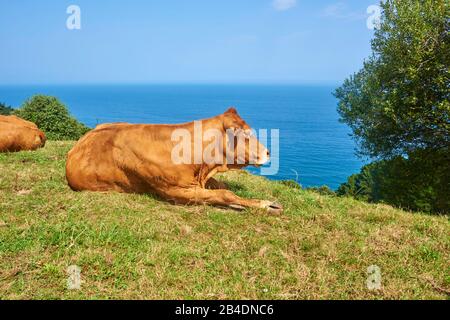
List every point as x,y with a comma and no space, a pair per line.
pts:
400,101
52,117
398,107
5,110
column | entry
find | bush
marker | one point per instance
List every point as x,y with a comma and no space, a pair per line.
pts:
52,117
361,185
5,110
419,182
323,190
291,184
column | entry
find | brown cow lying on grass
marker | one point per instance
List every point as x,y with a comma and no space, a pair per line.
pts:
17,134
144,159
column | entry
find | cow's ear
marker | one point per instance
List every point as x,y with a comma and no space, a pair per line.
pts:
231,110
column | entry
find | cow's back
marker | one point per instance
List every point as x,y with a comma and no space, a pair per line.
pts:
18,121
121,157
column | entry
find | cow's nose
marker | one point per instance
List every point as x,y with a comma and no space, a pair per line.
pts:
268,153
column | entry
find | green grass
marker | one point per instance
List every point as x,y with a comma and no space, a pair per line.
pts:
137,247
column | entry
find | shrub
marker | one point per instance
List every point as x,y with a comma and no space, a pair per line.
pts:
291,184
418,182
323,190
5,110
52,117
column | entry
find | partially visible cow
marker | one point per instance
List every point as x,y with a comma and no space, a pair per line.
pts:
138,158
19,121
17,134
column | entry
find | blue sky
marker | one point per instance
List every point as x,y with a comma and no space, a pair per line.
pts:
183,41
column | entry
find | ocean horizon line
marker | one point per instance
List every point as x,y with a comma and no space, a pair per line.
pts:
262,84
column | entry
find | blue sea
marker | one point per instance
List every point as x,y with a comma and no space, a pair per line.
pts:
315,149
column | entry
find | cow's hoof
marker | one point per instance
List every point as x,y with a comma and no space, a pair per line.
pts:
237,207
274,208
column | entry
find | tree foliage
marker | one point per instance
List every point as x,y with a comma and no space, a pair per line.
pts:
399,102
5,110
52,117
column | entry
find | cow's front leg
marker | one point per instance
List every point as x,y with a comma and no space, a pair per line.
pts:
223,198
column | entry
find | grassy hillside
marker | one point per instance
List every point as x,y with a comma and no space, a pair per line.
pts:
135,246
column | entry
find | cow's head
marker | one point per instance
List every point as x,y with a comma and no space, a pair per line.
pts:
241,138
39,139
43,139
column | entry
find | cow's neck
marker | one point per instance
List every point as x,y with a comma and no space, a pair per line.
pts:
207,171
213,123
